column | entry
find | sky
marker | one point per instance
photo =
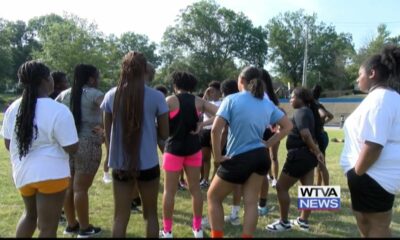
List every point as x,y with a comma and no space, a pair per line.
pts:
151,17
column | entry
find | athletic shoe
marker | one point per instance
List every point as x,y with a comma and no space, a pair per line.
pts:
279,226
182,185
273,183
269,178
262,211
204,184
62,219
90,231
235,221
303,225
107,178
137,201
205,223
135,209
72,230
165,234
198,233
135,205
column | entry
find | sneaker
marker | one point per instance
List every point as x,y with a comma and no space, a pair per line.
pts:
135,208
279,226
273,183
90,231
204,184
205,223
262,211
62,219
165,234
107,178
137,201
182,185
72,230
235,221
269,177
198,233
303,225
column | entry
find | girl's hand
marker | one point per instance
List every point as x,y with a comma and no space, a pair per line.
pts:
220,159
198,128
320,157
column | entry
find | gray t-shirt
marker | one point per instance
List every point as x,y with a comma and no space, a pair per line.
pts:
91,113
302,118
154,106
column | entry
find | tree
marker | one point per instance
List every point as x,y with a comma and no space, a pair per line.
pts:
328,51
374,46
130,41
66,43
212,41
6,61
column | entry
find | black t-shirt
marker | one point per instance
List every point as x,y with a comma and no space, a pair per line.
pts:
302,118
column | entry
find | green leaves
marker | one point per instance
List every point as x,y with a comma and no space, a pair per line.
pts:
213,42
327,50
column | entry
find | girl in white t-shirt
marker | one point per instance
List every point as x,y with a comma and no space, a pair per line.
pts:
372,142
38,143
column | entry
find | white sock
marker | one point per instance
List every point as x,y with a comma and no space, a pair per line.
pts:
235,211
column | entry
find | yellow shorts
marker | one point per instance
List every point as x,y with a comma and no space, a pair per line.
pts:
46,187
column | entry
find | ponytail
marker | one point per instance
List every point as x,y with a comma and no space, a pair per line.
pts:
269,89
255,85
256,88
317,122
82,74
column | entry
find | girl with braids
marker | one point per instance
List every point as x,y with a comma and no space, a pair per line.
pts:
302,157
84,100
130,113
183,149
39,133
246,163
370,157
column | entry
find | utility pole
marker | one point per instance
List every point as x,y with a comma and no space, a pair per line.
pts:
305,60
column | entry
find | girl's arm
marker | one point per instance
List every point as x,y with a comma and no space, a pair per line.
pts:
308,139
370,152
216,133
285,127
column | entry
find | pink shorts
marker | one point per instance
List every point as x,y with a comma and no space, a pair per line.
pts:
175,163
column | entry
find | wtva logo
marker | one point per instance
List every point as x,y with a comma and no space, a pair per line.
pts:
318,198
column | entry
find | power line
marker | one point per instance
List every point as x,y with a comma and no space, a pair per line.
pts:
364,23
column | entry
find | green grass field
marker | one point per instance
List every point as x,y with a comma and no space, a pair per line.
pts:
323,224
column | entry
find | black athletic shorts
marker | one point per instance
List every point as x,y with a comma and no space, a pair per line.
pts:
367,195
239,168
205,138
144,175
299,162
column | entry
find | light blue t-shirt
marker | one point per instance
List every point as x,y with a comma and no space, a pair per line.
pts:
154,106
248,117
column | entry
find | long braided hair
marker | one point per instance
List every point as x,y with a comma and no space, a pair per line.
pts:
30,75
82,74
128,106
